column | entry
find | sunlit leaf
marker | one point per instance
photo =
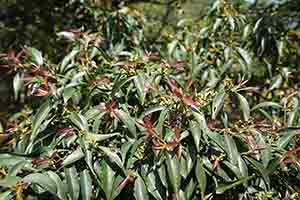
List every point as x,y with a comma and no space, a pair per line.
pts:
86,185
73,157
201,176
128,121
35,55
140,191
113,157
72,182
39,117
218,102
244,106
42,180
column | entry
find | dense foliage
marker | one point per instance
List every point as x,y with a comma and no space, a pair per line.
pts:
206,109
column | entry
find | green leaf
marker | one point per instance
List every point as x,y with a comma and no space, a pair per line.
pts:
6,195
284,140
9,181
72,183
231,22
199,116
188,192
92,113
79,120
139,81
97,123
218,139
266,153
231,149
245,56
171,47
243,167
152,110
7,160
35,55
128,121
276,82
73,157
86,185
18,83
161,121
68,59
107,177
119,84
15,169
266,104
186,162
59,185
68,93
232,168
39,117
173,167
113,157
218,102
140,191
196,133
152,184
217,24
100,137
244,106
260,168
163,175
42,180
227,186
201,176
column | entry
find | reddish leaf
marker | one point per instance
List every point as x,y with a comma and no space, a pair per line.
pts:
172,86
66,132
127,180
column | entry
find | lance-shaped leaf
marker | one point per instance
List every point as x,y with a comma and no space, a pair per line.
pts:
152,184
218,102
68,59
140,191
231,149
245,56
35,55
227,186
86,185
42,180
100,137
244,106
73,157
260,168
6,195
266,104
9,181
128,121
173,167
79,120
107,177
276,82
72,183
201,176
39,117
113,157
139,82
59,184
